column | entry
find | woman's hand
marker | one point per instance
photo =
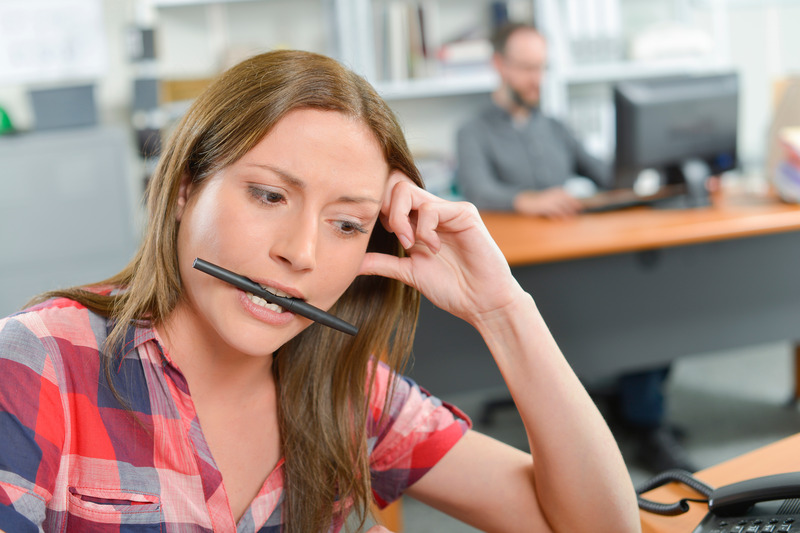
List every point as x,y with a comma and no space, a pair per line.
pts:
451,258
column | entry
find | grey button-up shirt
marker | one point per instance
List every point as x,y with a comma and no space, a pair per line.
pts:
498,159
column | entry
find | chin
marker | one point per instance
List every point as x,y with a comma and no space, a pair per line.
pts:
532,102
260,342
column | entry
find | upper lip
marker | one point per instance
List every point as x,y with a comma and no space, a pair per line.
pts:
292,292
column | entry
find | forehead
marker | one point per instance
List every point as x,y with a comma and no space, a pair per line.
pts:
322,128
314,143
525,42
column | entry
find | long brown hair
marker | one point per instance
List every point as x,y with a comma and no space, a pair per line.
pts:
322,375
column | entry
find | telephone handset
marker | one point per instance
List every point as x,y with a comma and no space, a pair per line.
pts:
737,498
769,504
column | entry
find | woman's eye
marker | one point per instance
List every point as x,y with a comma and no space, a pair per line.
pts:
350,228
266,196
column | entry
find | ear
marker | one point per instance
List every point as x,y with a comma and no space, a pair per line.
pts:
497,62
184,191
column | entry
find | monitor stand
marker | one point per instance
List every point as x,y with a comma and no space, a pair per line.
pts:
694,174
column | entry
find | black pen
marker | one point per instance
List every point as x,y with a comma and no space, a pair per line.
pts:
294,305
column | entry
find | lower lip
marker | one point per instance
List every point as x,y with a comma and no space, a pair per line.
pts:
262,313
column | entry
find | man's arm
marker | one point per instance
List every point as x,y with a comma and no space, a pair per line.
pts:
597,170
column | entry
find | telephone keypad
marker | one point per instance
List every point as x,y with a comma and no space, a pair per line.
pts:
759,525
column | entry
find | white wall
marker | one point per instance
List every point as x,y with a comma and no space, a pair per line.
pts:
113,89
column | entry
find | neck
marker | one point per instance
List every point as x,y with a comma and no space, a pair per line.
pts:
209,365
502,97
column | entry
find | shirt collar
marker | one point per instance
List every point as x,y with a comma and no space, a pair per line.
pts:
135,336
502,112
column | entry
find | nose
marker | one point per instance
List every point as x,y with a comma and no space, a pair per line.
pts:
295,245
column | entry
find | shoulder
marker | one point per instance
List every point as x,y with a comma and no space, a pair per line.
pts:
399,405
49,331
488,117
409,435
54,318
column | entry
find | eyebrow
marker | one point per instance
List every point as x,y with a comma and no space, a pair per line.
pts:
298,183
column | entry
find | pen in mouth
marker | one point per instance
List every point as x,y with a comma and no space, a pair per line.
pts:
295,305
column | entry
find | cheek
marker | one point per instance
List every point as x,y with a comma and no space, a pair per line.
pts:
208,227
340,267
205,230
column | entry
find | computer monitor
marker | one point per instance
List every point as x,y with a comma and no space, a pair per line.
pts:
684,127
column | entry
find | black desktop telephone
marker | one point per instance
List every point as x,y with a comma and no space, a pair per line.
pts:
769,504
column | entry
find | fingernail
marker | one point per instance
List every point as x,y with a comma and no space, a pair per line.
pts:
404,241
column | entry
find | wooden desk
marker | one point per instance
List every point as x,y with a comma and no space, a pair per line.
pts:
635,289
532,240
777,458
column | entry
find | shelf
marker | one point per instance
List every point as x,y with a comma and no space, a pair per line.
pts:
176,3
625,70
486,81
448,85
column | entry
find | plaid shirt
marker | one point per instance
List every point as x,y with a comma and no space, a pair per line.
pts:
72,458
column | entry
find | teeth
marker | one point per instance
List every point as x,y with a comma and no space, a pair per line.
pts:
263,303
276,292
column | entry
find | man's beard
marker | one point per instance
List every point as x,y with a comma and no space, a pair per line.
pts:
519,101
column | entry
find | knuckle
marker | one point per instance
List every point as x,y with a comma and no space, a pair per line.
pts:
402,184
469,208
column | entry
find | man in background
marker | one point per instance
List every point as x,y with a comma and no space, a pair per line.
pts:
512,157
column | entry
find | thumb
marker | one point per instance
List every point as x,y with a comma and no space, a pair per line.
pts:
388,266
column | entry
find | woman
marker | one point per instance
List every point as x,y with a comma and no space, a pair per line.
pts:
164,398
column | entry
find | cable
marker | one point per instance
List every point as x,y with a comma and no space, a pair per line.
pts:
676,508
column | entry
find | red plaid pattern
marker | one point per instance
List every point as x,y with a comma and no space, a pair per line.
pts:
72,458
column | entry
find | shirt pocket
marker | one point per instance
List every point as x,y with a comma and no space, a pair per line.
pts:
95,509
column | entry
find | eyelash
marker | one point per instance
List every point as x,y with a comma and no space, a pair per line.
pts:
265,196
354,228
272,198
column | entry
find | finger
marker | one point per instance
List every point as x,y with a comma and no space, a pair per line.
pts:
395,177
386,223
567,201
428,219
400,210
397,206
569,206
561,211
555,214
552,210
378,529
437,218
575,204
388,266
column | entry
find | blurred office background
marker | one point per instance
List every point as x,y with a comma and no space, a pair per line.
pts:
143,60
89,88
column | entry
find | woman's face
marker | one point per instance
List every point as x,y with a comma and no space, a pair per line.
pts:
294,214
